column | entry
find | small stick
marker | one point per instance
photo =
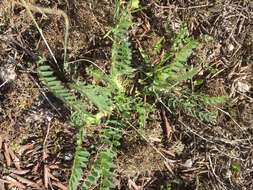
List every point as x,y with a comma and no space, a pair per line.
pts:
4,83
1,142
45,155
7,155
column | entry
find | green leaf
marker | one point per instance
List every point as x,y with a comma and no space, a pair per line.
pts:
53,83
140,9
84,187
198,82
108,183
107,173
177,66
177,181
205,37
107,34
61,91
67,94
44,68
94,94
108,164
107,141
92,179
116,143
134,4
42,60
49,79
83,153
83,165
117,136
46,74
105,155
69,98
158,46
97,168
95,174
236,167
109,133
110,152
187,75
105,165
83,159
165,58
53,88
144,56
88,183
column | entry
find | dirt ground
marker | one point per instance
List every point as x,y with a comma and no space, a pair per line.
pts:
215,155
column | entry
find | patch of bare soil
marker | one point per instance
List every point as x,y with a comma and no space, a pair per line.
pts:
37,143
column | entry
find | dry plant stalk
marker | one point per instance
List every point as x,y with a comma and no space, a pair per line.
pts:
39,9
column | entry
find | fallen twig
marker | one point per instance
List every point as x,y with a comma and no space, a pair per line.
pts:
7,155
25,181
15,159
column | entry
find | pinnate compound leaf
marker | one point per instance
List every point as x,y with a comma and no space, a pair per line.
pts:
187,75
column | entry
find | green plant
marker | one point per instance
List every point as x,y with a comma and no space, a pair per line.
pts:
108,100
168,75
193,104
236,168
104,162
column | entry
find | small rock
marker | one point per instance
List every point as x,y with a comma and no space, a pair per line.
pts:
230,47
7,73
242,87
68,156
188,163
